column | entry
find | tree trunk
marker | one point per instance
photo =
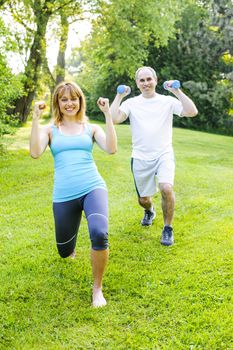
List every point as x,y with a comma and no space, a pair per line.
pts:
60,69
32,71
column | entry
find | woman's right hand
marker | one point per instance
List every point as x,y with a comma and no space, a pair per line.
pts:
103,104
39,108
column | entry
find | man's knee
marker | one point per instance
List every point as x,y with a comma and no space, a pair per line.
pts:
144,201
166,190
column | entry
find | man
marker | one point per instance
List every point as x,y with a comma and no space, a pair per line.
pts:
151,118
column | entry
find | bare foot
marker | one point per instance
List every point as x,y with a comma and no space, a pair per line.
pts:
73,255
98,298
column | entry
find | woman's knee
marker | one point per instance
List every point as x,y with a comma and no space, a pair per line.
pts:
99,240
64,252
98,229
65,249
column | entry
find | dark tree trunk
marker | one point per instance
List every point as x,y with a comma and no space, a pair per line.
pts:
32,71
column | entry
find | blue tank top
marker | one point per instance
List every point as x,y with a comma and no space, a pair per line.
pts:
75,171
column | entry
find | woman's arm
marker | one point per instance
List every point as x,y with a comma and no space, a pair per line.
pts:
106,140
39,136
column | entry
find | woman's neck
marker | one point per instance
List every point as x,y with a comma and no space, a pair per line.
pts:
71,128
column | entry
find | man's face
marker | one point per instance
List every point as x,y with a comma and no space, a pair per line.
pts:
146,82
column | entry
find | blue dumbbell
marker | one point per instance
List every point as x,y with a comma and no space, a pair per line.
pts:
122,88
174,85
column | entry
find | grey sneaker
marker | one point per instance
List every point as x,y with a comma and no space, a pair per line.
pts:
167,237
148,217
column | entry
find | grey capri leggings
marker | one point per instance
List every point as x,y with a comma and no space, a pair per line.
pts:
67,217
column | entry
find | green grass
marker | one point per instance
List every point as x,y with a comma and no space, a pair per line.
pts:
158,297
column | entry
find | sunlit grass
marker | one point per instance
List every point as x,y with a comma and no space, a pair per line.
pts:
158,297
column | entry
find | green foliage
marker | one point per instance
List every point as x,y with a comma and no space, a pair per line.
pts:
10,86
159,298
34,17
197,51
200,56
119,41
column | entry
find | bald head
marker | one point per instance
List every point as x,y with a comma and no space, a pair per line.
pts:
145,69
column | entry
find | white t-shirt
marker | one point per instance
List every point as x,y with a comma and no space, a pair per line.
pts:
151,122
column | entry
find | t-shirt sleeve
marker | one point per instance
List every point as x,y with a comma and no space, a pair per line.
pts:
177,106
125,107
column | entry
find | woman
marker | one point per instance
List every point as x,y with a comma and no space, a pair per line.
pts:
77,184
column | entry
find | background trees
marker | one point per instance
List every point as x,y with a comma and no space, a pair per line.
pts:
119,42
186,40
10,85
41,12
201,57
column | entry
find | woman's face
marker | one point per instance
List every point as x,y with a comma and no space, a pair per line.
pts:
69,104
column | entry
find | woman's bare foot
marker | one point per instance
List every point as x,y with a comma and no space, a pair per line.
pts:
73,255
98,299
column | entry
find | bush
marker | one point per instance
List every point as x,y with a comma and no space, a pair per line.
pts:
11,88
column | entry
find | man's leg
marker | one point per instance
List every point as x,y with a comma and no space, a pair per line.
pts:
149,214
168,202
145,184
168,205
145,202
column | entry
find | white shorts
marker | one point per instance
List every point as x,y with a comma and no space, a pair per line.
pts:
145,173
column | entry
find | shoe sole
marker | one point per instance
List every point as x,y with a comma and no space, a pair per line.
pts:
166,244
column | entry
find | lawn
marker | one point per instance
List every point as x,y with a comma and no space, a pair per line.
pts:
159,298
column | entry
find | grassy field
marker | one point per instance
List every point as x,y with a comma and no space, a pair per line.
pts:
158,297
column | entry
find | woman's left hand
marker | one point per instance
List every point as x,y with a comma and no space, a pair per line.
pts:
103,104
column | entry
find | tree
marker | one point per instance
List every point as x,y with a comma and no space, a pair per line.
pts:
198,57
40,12
119,41
10,85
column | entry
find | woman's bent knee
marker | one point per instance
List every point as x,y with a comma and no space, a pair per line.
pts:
63,253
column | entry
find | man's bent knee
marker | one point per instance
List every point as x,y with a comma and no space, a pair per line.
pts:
144,201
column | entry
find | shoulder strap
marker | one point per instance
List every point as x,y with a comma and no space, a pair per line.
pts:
88,129
54,129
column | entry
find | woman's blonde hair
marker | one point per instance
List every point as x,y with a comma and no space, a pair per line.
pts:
75,91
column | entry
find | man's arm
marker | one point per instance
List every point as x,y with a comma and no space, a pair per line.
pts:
189,108
118,116
106,140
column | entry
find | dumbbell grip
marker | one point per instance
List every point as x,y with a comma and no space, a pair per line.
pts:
175,85
122,88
